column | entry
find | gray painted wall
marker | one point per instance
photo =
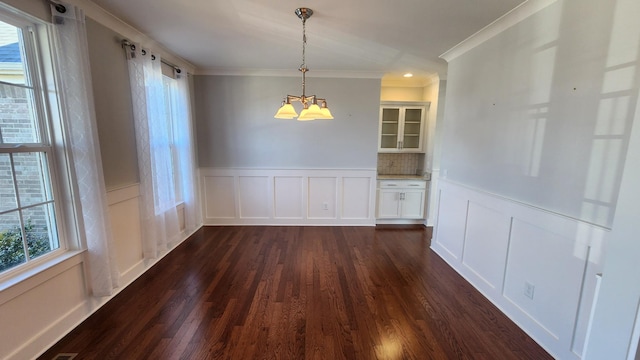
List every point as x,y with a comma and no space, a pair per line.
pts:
114,110
541,113
236,129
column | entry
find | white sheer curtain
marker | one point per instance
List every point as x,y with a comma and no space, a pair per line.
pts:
157,191
78,117
183,137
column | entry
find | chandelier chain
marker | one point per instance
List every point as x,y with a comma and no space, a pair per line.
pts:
304,43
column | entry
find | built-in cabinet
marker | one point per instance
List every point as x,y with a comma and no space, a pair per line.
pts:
402,127
401,199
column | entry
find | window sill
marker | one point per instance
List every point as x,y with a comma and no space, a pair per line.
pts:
22,281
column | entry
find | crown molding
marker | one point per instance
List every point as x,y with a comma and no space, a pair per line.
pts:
291,73
504,22
132,34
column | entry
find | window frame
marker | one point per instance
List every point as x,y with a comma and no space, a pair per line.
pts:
41,75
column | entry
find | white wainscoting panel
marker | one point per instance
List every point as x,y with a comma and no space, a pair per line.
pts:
504,247
254,197
124,213
356,200
451,223
322,198
288,196
219,196
485,246
547,261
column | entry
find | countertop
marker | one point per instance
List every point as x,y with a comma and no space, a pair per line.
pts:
404,177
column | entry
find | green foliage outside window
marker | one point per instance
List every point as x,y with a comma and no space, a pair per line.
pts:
11,247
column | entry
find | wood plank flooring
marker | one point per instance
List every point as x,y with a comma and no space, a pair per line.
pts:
300,293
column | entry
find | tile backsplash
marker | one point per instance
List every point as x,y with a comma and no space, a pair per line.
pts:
400,164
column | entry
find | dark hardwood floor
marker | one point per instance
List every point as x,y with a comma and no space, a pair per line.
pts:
300,293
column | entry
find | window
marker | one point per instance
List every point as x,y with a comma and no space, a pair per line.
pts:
28,227
170,87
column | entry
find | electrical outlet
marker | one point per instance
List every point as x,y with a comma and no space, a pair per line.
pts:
529,289
325,206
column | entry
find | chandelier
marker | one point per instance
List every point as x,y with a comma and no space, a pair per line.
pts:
313,107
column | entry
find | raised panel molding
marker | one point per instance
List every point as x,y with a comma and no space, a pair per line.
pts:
500,245
288,196
254,197
322,198
124,214
556,274
356,200
451,225
219,197
486,242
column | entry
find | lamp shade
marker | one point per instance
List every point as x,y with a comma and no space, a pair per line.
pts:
326,114
286,111
306,115
312,113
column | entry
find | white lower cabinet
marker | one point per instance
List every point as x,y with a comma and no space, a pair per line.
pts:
401,199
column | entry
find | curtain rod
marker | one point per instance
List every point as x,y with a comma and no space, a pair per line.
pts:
127,43
175,67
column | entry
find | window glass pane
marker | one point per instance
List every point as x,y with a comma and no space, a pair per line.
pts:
12,64
17,119
11,245
170,88
31,175
7,190
39,228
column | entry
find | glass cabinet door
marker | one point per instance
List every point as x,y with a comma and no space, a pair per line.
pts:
389,128
412,128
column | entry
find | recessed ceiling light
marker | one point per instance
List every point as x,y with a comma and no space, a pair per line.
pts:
408,75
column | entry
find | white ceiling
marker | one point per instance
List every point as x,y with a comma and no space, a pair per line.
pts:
350,37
